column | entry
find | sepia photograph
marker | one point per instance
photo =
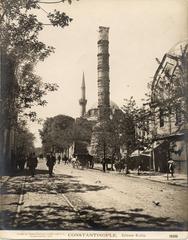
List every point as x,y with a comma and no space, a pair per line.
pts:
94,119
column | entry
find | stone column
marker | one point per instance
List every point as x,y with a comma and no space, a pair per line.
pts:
103,74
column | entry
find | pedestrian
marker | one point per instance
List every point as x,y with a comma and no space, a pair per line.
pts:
139,169
91,161
18,161
32,163
74,161
65,159
59,159
104,164
171,167
50,163
22,162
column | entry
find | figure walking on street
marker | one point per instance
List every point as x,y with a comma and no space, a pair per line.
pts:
32,163
104,164
59,159
139,169
50,163
171,167
65,159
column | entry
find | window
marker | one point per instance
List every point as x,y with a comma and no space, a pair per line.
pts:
178,115
161,117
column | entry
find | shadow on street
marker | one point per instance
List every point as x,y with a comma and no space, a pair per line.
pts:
53,216
56,217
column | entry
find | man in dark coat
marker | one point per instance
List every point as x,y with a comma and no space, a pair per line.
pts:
32,163
104,164
59,159
50,163
65,159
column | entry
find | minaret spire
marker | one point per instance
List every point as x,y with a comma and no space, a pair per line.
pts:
83,87
83,100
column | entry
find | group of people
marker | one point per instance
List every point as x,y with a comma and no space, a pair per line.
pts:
64,159
83,161
31,162
50,162
77,160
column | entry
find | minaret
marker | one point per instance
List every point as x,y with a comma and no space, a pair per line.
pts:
103,74
83,100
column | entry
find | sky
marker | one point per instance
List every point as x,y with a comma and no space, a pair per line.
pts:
140,31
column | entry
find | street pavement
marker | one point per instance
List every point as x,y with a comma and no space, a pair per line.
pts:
87,199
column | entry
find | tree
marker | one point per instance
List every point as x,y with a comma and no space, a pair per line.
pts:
45,135
82,130
22,49
132,119
57,133
135,129
82,135
20,28
104,140
61,131
19,40
31,91
24,141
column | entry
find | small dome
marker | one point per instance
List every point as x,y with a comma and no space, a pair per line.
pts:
179,48
92,113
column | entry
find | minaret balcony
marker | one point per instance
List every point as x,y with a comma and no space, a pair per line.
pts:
82,101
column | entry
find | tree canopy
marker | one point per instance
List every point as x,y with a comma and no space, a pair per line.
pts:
19,39
57,133
24,141
83,130
20,28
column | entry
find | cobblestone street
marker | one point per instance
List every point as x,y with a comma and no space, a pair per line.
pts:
76,199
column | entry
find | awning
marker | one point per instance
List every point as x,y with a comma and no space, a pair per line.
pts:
136,153
176,136
147,151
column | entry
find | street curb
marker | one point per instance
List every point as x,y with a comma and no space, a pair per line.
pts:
20,202
134,176
154,180
149,179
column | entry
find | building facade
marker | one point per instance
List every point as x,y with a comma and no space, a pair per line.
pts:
168,125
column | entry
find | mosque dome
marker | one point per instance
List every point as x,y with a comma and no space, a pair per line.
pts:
92,113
